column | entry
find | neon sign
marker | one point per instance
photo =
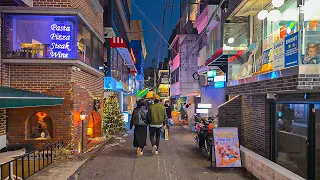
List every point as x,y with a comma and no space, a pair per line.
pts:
133,57
60,40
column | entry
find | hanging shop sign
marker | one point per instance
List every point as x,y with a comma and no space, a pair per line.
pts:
219,78
211,74
62,37
226,147
291,50
278,58
219,84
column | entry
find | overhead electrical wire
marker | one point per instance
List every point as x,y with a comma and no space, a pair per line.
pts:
163,20
147,30
133,2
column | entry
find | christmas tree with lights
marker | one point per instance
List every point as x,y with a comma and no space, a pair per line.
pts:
112,116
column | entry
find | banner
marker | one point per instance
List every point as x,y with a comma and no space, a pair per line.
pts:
278,57
227,148
291,50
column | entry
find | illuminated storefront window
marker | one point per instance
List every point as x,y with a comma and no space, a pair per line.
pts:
29,36
50,37
290,37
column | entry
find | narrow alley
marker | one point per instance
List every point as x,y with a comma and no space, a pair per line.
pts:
179,158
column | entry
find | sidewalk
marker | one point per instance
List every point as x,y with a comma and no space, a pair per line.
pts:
59,170
65,169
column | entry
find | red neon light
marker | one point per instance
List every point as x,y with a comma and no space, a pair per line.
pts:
236,56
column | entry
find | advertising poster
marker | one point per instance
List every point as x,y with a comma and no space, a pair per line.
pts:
291,50
278,55
270,40
227,148
276,36
265,43
311,51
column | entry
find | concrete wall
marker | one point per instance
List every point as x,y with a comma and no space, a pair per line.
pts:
188,63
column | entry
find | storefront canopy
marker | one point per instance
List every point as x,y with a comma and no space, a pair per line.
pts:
17,98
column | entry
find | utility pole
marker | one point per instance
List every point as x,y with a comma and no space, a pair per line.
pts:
154,77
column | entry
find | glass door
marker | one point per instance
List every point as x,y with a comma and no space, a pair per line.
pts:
316,111
290,137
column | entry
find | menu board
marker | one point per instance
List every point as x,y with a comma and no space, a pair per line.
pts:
227,148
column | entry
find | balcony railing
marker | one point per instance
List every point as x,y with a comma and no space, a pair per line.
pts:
22,167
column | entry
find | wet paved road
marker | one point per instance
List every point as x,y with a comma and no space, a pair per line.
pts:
178,158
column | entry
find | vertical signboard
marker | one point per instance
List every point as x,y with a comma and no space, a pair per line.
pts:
227,148
291,50
278,57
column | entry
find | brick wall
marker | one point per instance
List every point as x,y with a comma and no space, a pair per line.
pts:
271,85
251,114
79,90
84,6
61,117
83,101
39,78
95,18
93,83
309,82
255,124
52,3
230,113
3,122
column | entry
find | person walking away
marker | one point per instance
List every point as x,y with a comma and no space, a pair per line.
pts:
140,122
157,116
168,112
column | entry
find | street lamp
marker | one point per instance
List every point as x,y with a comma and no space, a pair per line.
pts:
82,117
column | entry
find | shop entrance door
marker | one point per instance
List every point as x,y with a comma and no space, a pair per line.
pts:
316,112
290,137
296,138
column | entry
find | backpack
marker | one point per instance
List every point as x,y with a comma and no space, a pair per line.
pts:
139,117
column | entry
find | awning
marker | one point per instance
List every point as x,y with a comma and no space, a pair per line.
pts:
17,98
120,45
121,86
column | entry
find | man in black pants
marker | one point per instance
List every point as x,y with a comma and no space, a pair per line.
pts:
157,117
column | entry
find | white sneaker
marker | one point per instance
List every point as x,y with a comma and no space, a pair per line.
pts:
154,149
156,153
141,153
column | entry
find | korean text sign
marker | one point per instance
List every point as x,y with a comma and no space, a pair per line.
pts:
227,148
291,50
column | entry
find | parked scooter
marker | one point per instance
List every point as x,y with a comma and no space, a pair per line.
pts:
204,137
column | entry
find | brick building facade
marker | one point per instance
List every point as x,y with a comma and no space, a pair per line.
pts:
78,82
